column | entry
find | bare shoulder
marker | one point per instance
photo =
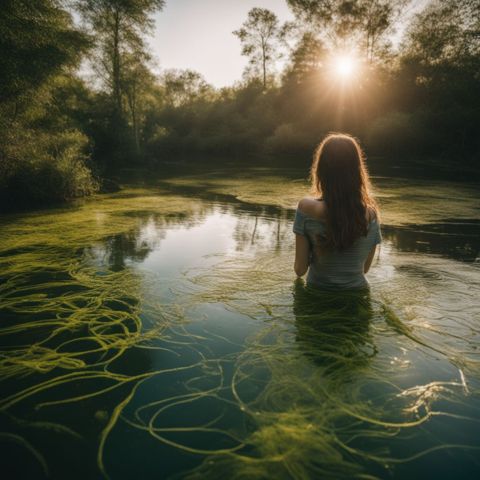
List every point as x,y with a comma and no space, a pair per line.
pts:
313,208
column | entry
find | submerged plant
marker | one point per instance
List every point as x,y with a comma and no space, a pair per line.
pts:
227,366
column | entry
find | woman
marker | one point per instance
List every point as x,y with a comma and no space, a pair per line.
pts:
337,234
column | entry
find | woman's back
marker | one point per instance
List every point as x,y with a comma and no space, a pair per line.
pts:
330,268
336,235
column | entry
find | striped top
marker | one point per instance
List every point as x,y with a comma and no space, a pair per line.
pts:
333,269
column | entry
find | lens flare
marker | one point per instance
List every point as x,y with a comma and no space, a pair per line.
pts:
344,66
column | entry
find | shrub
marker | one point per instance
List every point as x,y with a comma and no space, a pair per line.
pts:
44,167
399,133
286,139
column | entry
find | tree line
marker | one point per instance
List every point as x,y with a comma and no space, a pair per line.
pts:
412,94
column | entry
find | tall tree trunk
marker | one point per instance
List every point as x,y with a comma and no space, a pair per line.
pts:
264,63
117,98
132,103
135,122
136,133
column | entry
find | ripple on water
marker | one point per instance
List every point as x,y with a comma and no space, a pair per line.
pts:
122,332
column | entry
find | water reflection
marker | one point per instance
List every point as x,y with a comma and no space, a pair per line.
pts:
122,247
268,228
242,227
180,295
118,250
456,239
257,226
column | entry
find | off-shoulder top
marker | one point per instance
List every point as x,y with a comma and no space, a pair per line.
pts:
335,269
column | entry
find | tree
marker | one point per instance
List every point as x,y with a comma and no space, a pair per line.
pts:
43,154
259,37
440,62
306,57
118,27
37,40
361,25
446,32
137,81
182,87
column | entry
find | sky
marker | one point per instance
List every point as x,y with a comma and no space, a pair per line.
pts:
197,34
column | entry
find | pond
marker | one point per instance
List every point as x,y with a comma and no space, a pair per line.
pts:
159,332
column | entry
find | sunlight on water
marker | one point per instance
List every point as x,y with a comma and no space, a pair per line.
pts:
159,331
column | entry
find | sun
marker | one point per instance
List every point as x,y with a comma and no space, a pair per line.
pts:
344,66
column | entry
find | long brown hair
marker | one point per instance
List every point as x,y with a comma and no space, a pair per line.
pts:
340,176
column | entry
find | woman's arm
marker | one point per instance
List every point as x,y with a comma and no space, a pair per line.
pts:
368,261
302,255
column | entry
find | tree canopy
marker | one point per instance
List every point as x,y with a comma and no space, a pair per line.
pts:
337,66
260,36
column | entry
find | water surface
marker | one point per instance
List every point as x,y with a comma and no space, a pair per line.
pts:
159,332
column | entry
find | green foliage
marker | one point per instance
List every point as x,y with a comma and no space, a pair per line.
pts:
416,101
441,61
43,155
181,87
120,60
361,25
306,57
118,27
286,139
399,133
260,35
37,39
44,167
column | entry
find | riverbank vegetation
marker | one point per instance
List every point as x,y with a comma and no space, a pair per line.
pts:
403,81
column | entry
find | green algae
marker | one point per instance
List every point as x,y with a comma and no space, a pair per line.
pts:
318,388
310,419
402,201
75,320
